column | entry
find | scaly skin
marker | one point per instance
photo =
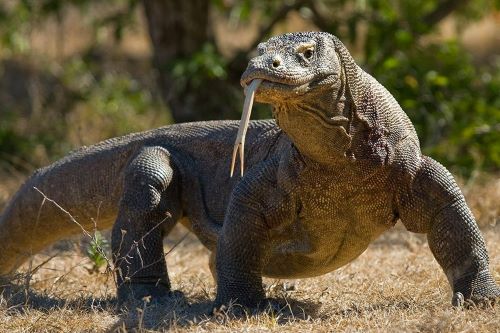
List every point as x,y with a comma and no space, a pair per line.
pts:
341,164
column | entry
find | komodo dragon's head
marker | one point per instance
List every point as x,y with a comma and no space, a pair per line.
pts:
293,66
311,81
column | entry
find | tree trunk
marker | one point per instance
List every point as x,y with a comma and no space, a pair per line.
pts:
178,29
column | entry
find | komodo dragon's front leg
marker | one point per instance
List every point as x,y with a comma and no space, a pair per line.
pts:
148,210
257,205
433,204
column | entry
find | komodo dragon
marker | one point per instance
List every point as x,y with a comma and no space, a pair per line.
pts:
339,165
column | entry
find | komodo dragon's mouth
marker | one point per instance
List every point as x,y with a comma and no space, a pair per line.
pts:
276,82
295,86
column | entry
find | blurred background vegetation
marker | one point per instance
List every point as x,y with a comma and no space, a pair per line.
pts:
75,72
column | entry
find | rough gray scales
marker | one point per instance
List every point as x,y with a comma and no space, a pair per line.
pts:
339,166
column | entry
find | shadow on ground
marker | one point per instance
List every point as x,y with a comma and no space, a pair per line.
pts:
174,311
177,311
17,299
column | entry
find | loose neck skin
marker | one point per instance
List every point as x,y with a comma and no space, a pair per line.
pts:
317,125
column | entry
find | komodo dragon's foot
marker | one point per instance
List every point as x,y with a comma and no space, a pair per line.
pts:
476,290
133,293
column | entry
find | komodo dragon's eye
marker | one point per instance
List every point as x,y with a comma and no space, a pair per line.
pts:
306,50
308,53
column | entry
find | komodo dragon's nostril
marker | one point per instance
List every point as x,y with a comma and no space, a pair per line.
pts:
276,62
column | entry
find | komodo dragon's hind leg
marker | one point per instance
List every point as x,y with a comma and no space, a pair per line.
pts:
149,208
435,205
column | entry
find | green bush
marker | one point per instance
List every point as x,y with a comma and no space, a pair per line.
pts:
454,105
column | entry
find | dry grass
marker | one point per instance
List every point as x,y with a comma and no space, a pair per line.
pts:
396,285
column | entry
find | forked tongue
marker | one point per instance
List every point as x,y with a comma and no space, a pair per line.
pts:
239,144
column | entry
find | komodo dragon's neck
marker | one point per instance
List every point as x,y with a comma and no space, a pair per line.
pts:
318,126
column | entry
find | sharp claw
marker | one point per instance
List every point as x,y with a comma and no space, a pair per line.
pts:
458,299
242,130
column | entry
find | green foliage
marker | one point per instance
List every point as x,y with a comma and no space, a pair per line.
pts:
18,18
96,251
10,141
201,66
454,105
116,99
98,105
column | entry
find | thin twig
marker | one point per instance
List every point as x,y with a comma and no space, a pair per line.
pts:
64,211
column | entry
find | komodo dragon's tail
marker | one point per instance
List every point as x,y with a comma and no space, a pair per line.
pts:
20,234
78,191
29,223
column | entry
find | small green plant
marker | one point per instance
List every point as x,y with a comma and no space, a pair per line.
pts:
96,251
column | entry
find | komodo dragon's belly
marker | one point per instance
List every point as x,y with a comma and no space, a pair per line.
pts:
334,225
